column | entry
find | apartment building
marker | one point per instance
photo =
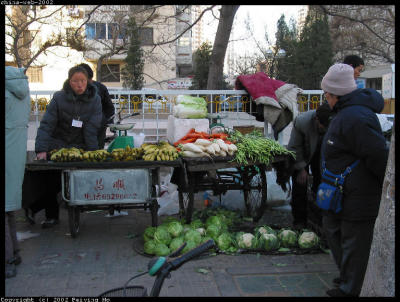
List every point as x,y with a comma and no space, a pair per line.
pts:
104,43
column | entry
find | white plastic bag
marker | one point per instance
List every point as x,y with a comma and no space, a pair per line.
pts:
169,203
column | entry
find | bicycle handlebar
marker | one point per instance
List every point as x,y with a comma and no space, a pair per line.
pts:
174,263
178,261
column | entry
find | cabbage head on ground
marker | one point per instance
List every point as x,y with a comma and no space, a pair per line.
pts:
193,235
161,235
176,243
149,233
288,238
269,242
264,229
247,241
224,241
175,229
161,249
308,240
149,247
189,245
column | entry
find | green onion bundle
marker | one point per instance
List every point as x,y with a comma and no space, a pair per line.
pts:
254,147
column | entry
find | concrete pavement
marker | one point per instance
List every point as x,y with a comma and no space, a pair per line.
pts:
104,256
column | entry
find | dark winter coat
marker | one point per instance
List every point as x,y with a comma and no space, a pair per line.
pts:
106,102
56,130
355,133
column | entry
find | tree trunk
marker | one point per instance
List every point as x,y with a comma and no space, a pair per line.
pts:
215,74
380,275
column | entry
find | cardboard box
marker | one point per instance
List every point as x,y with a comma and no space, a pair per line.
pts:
179,127
389,106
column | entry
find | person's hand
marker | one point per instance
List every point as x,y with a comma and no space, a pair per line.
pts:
41,156
302,177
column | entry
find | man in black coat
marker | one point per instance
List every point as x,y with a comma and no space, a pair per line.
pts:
305,140
353,134
106,102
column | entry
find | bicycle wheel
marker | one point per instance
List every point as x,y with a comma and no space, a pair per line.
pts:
255,191
73,220
129,291
186,200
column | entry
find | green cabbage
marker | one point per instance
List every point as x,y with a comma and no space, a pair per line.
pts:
224,241
202,231
189,245
161,250
149,233
308,240
197,223
287,238
149,247
269,242
176,243
187,99
214,220
213,231
193,235
175,229
161,235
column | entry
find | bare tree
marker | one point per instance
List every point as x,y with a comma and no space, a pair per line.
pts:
215,75
379,278
367,30
22,30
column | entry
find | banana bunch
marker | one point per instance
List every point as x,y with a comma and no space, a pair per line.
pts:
133,153
66,155
96,156
127,154
161,151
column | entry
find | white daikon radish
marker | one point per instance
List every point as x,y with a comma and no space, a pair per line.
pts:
222,153
216,147
232,147
191,147
222,144
203,142
187,153
210,149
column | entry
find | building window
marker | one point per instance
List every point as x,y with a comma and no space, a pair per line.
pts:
35,74
184,41
103,31
110,73
146,35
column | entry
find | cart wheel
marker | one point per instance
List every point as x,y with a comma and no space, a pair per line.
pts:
255,191
73,219
186,200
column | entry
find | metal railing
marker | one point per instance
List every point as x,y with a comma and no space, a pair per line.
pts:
156,105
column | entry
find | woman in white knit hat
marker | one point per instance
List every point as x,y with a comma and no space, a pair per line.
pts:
353,134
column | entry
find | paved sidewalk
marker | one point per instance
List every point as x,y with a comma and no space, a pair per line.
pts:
102,257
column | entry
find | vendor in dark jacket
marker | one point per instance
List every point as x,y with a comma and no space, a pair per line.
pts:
354,133
106,103
72,119
305,140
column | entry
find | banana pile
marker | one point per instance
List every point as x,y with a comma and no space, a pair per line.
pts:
66,155
127,154
160,151
96,156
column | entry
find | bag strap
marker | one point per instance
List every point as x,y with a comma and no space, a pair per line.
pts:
347,171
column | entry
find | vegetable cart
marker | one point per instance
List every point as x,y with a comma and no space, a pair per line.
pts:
221,174
106,186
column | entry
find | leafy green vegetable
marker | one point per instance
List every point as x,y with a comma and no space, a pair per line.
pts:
308,240
175,229
265,229
149,247
161,235
189,245
247,241
193,235
176,243
269,241
161,250
288,238
149,233
213,231
224,241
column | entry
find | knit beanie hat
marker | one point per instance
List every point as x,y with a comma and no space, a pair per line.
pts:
339,80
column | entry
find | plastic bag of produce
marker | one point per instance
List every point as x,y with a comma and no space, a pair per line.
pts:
190,107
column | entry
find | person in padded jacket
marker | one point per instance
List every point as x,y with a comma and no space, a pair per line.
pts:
354,133
72,119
